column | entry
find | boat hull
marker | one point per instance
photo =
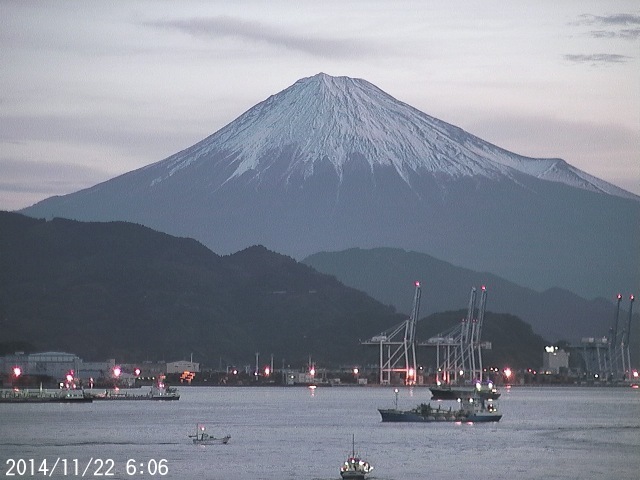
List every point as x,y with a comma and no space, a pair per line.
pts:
352,475
133,397
44,397
390,415
156,394
484,418
212,441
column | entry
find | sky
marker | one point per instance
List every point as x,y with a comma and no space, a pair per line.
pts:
90,90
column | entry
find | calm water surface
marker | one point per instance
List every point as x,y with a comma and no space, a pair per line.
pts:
292,433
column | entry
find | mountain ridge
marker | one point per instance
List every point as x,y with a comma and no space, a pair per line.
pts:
555,314
119,290
332,163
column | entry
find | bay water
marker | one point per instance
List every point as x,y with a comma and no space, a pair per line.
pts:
295,432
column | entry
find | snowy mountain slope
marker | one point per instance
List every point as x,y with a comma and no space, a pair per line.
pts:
332,163
342,117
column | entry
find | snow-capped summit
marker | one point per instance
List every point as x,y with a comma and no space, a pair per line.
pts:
340,118
334,162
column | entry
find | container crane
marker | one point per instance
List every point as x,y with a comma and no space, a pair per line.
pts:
398,346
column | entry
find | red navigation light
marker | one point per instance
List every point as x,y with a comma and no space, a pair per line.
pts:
483,288
17,371
137,372
619,296
417,284
116,371
631,297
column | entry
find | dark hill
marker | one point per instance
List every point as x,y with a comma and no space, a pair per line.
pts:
386,273
120,290
105,290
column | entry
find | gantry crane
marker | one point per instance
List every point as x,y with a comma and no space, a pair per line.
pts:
398,346
459,349
609,357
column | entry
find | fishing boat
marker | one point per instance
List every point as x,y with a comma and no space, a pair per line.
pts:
158,391
162,392
471,409
203,438
44,396
354,467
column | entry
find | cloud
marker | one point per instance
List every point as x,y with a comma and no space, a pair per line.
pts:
596,58
612,24
630,33
224,26
616,19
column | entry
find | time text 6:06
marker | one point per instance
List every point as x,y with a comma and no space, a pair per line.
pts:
73,467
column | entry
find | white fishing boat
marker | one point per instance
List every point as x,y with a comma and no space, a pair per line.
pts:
354,467
203,438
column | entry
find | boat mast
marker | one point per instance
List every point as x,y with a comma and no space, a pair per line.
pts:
631,299
614,363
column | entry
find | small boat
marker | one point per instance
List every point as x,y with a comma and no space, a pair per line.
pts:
158,391
44,396
354,467
472,409
202,438
162,392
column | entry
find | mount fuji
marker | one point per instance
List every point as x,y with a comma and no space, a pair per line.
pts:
334,162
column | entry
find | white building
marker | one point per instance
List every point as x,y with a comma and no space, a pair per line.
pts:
554,359
56,365
183,366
